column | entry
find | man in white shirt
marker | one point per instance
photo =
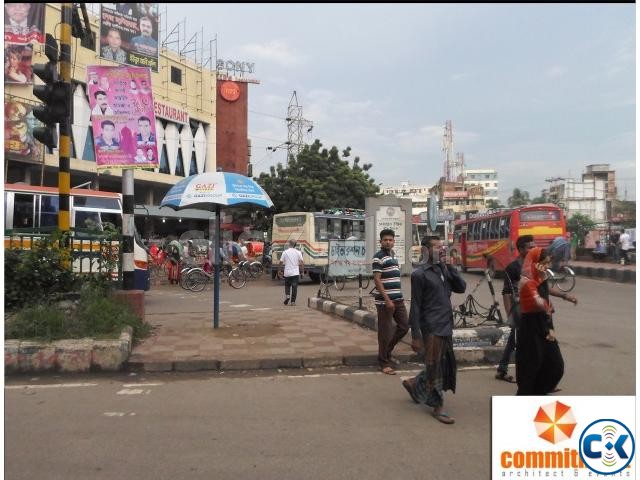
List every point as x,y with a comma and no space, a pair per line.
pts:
625,245
293,264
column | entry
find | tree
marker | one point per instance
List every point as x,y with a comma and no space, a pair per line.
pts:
540,199
519,197
491,203
317,179
580,225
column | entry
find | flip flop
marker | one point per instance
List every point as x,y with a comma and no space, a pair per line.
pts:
443,418
388,370
505,377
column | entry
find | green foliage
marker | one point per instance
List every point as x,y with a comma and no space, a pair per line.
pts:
518,198
493,204
96,315
37,273
580,225
317,179
538,200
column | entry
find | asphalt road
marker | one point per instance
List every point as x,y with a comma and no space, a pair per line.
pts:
294,424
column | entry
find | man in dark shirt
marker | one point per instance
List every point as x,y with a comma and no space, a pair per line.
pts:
431,319
389,301
510,300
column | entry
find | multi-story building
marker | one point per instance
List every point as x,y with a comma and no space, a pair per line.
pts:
603,172
486,178
419,195
458,197
588,197
186,100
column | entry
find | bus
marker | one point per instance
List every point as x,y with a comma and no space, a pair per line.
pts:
488,240
31,210
419,230
312,232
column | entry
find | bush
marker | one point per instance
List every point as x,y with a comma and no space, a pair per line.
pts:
95,315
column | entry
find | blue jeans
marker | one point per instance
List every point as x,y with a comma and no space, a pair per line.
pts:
291,285
508,350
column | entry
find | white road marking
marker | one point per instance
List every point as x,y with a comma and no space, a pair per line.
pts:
131,385
259,309
135,391
241,305
118,414
57,385
399,372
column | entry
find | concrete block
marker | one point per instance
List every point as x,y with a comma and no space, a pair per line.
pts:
165,366
133,298
340,309
599,272
107,355
74,355
318,362
370,321
36,357
469,355
240,364
493,355
326,306
284,362
11,348
312,302
612,274
349,313
360,360
197,365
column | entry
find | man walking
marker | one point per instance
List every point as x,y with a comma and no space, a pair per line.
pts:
293,264
625,246
431,318
389,302
510,298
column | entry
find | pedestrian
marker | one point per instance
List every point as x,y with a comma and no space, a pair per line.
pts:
625,246
293,265
389,302
574,245
539,362
614,243
174,252
510,299
431,318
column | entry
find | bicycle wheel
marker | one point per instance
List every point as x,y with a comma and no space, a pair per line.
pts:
339,283
237,278
196,280
255,269
565,280
184,274
365,282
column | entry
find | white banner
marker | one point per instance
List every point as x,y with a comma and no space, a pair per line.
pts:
347,258
392,217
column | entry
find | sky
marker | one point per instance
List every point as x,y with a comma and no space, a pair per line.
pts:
534,91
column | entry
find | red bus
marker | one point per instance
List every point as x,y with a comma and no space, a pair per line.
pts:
488,240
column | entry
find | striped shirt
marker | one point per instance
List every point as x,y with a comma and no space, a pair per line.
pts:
387,266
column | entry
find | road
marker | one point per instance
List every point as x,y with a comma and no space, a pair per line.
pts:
294,424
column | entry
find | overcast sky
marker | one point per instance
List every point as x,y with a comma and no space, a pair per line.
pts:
534,91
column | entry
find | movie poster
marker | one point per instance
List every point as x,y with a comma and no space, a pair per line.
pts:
24,22
19,123
17,64
129,33
122,116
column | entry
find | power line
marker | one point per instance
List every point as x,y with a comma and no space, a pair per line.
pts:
267,115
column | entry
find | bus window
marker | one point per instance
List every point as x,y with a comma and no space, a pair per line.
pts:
321,229
335,228
484,231
49,211
540,216
504,227
87,220
23,208
493,229
96,202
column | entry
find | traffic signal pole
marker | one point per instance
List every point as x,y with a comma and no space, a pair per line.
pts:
64,166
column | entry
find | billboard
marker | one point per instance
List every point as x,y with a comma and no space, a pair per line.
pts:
24,22
19,123
122,116
129,33
17,64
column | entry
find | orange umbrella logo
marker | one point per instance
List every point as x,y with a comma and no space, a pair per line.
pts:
555,422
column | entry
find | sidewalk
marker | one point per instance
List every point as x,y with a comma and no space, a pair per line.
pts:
265,335
605,270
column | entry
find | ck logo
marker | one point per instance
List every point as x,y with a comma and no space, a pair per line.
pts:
607,446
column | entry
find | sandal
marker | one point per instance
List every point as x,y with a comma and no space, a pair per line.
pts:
388,370
443,418
505,377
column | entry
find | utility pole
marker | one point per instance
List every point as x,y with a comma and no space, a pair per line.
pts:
64,170
297,126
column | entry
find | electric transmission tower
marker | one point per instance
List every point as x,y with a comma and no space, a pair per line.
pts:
447,148
299,128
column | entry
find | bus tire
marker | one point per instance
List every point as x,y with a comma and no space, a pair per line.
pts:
315,277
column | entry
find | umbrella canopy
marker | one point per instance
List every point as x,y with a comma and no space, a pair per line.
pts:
215,188
209,191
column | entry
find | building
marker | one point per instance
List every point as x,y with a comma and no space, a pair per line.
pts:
603,172
458,197
486,178
588,197
419,195
186,109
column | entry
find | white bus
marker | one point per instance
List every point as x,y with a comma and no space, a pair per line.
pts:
312,232
30,210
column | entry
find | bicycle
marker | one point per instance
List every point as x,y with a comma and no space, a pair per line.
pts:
197,278
340,281
564,278
251,269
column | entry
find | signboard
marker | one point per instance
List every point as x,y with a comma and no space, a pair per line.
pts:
230,91
19,123
445,215
171,112
393,217
433,212
347,258
24,22
454,194
122,116
129,33
17,64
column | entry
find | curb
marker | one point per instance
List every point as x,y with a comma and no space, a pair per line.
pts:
617,275
78,356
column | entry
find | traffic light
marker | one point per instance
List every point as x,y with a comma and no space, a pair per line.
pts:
55,95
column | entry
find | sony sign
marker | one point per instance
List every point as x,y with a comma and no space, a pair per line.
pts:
234,66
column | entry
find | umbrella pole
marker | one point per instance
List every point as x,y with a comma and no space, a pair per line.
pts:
216,268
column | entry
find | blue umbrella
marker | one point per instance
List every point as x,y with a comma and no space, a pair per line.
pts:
208,191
